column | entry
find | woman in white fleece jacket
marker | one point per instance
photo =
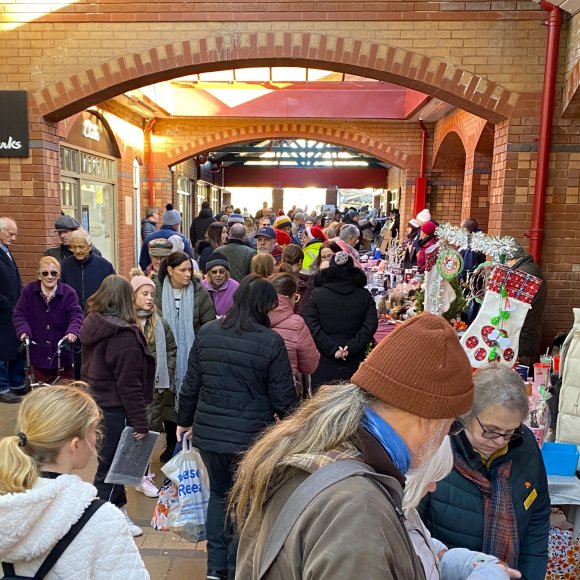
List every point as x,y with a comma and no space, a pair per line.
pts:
40,499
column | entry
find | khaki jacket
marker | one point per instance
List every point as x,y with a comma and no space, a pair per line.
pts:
349,531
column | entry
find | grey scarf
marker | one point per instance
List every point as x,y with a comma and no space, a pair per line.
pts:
181,324
162,381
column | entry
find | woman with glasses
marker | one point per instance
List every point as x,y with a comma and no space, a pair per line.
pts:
47,312
496,498
218,283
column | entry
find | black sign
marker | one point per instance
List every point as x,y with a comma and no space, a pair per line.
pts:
14,124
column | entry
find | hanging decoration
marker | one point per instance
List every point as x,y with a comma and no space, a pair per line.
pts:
493,337
449,263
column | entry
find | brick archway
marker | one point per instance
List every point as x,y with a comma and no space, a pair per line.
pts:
457,86
356,141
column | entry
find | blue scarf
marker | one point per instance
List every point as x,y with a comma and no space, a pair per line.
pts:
389,439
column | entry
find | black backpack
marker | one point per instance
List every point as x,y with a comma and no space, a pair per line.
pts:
58,550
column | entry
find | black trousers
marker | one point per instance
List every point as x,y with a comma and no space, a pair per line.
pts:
222,546
114,421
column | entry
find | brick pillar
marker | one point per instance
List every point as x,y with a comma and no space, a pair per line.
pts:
476,189
277,198
331,196
30,194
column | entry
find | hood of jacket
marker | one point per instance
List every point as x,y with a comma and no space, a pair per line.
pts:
98,327
341,280
284,310
39,517
205,213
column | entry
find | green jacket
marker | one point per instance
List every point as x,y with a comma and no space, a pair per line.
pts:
203,308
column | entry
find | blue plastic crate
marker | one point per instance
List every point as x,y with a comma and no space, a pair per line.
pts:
560,458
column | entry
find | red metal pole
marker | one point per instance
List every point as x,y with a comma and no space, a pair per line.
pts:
421,181
148,143
545,135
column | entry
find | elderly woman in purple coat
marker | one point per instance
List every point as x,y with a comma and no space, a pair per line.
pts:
46,312
218,283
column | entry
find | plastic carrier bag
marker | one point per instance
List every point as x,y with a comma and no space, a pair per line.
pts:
188,515
165,502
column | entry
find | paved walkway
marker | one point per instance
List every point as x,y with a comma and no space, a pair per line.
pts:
167,556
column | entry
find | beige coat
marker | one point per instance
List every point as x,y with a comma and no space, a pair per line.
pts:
348,531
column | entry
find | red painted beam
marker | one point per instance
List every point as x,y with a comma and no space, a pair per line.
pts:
256,176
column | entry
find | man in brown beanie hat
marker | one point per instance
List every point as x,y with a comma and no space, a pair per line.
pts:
319,495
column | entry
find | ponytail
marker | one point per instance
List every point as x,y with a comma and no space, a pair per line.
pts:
18,471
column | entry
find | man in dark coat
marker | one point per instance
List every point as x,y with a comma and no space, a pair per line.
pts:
200,224
532,329
239,255
149,222
64,226
11,361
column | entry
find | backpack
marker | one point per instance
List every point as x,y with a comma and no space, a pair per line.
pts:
58,550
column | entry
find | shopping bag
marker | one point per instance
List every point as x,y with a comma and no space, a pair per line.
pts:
166,500
188,516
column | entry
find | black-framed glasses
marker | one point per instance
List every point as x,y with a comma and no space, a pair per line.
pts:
489,434
456,427
46,273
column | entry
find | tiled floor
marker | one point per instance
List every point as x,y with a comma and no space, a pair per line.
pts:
167,556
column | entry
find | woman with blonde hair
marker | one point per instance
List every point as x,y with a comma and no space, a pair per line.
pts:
439,562
121,372
162,346
47,312
41,499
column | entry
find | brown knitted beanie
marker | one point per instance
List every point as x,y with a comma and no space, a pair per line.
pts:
420,368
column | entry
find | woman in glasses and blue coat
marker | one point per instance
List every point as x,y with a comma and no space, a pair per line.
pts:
496,498
46,312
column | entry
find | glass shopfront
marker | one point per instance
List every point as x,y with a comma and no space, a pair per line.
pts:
88,182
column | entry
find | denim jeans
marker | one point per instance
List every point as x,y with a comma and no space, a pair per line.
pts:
11,373
222,546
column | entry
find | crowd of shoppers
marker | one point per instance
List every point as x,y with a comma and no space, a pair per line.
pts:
268,372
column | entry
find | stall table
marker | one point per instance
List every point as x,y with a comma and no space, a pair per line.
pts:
565,491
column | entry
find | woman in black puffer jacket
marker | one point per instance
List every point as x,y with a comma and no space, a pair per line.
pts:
342,317
238,379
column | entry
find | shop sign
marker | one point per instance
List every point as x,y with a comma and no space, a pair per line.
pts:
91,130
14,124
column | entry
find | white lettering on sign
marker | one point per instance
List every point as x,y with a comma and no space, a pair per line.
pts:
91,130
10,144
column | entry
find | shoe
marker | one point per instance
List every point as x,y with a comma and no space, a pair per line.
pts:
147,486
133,528
9,397
166,455
217,575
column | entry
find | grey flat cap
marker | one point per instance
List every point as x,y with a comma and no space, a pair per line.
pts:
66,222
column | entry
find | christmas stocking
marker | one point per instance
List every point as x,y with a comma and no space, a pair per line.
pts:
494,335
439,294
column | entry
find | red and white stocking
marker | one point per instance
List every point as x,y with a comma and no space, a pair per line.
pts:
494,335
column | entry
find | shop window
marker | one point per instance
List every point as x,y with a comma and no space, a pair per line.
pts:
184,199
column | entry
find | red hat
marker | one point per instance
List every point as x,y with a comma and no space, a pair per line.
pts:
282,238
315,233
429,228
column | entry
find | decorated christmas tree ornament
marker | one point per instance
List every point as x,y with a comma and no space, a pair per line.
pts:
449,263
495,333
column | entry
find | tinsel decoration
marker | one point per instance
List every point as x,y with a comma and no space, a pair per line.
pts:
499,248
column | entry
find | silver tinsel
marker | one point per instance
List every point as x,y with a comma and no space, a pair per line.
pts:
479,242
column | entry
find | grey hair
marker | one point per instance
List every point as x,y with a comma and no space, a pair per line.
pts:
237,231
151,211
498,386
298,215
348,231
5,222
436,469
83,235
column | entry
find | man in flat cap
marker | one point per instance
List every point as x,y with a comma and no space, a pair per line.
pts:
64,226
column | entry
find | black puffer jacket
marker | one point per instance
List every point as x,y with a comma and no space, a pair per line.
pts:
340,312
233,386
454,512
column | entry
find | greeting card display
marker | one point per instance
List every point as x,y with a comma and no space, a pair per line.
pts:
494,335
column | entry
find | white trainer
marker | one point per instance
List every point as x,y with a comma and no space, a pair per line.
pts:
133,528
147,486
